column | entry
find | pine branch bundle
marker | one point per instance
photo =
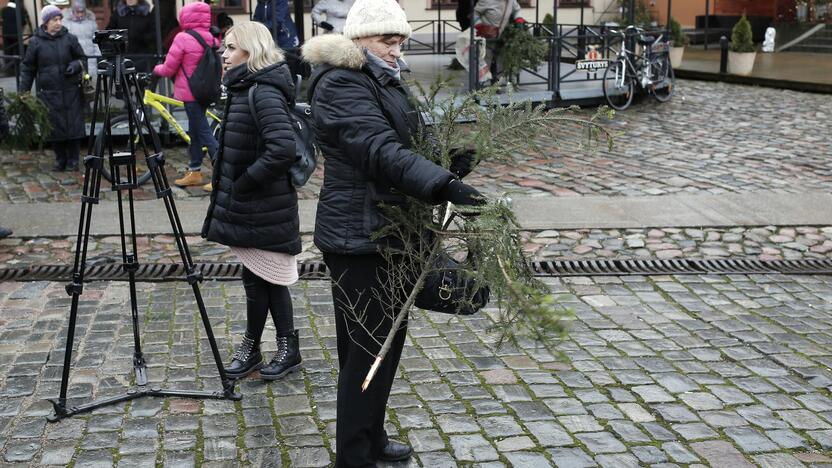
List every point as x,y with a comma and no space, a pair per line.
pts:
519,49
521,305
29,124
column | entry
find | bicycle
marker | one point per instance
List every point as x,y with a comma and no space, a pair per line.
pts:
156,101
652,70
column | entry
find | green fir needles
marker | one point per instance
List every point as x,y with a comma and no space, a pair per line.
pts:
28,121
521,305
741,37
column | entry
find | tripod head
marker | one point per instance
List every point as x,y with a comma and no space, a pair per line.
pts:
112,42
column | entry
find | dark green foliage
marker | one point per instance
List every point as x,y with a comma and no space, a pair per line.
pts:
549,25
28,121
741,38
521,305
519,49
643,17
676,35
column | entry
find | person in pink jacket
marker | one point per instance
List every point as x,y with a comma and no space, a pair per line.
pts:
180,63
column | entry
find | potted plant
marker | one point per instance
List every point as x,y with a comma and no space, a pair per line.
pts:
678,42
742,54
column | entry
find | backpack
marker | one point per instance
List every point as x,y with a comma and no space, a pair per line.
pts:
207,76
306,149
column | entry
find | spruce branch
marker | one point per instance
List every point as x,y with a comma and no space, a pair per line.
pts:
416,233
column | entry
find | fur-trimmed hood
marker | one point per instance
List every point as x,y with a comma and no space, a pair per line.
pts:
335,50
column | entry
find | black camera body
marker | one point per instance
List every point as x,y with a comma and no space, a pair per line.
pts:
111,41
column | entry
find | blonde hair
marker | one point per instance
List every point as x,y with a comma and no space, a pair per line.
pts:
256,39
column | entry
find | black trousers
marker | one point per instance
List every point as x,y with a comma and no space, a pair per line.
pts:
263,298
360,284
66,152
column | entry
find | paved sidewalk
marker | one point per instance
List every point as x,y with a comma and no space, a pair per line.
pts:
663,371
785,70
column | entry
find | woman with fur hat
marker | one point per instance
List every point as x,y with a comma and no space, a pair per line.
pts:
254,206
135,17
365,124
55,58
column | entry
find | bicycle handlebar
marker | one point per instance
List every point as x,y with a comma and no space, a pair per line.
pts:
623,33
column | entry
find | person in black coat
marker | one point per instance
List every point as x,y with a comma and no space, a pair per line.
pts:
55,58
135,17
365,123
254,206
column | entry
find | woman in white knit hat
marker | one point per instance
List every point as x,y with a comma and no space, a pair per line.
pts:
365,124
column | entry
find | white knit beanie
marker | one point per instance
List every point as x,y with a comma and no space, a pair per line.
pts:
376,18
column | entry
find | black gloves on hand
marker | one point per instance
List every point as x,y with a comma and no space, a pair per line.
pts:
461,194
462,162
327,26
73,68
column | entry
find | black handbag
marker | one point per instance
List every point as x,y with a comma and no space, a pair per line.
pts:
449,290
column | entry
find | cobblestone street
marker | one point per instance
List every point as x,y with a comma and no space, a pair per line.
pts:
656,371
661,371
712,137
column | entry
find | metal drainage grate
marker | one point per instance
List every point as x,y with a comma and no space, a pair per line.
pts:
310,270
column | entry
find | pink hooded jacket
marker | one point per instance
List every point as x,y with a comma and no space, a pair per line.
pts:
185,51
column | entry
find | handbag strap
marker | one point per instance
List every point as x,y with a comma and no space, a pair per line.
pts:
504,20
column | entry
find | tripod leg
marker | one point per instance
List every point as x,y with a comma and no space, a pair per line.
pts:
89,197
194,276
130,257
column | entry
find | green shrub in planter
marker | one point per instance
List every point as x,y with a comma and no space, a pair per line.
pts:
676,35
28,121
741,38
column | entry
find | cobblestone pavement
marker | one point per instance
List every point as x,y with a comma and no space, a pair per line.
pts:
662,371
762,243
711,138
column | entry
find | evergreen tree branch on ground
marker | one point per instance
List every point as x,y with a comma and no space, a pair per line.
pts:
521,305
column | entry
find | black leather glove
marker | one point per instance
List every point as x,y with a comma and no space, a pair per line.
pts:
461,194
462,162
326,26
73,68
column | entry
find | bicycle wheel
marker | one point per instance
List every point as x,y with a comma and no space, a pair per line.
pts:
661,74
619,85
118,125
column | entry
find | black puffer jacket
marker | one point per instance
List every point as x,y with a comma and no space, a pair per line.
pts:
364,125
48,58
253,203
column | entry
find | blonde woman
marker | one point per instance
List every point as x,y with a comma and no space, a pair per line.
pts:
254,207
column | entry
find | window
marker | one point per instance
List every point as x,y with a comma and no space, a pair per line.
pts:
451,4
232,5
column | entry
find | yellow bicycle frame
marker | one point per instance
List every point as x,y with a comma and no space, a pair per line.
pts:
158,102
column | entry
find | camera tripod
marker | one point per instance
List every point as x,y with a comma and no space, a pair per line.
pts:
117,77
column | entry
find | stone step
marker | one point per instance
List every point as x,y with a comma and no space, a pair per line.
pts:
815,49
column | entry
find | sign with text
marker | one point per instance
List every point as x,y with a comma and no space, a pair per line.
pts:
592,65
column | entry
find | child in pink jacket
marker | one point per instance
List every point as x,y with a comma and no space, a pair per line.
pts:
181,61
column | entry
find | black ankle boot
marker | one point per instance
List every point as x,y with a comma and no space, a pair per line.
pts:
287,359
245,360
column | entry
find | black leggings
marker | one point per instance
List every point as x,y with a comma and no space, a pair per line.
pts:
66,151
359,428
263,297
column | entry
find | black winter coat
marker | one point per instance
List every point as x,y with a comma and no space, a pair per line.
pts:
140,26
253,203
364,125
47,59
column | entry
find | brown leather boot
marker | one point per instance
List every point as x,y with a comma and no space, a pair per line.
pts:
191,178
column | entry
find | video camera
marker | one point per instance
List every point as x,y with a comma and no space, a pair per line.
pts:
112,42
